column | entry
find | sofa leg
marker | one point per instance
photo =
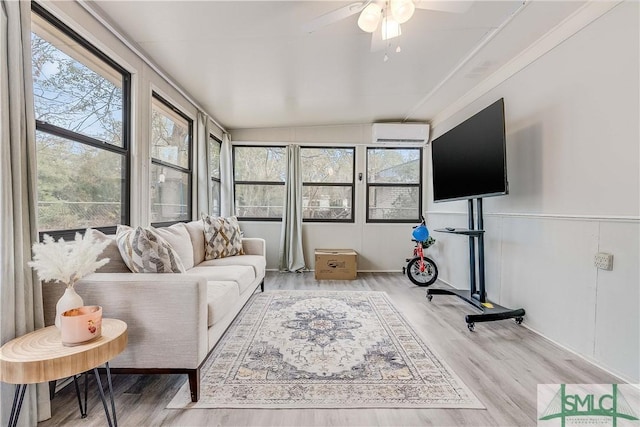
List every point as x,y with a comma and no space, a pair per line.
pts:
194,384
52,389
262,286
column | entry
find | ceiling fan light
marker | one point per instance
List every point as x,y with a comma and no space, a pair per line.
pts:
402,10
370,18
390,28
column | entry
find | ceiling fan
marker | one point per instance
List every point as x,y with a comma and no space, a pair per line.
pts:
382,18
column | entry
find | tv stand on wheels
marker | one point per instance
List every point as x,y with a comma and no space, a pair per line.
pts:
476,295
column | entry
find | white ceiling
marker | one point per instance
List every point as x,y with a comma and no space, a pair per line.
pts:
250,64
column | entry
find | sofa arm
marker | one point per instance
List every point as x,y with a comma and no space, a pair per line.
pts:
254,246
166,316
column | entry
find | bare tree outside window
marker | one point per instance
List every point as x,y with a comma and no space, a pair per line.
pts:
171,133
214,166
327,183
259,177
394,184
81,139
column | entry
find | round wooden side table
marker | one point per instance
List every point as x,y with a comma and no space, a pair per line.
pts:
39,357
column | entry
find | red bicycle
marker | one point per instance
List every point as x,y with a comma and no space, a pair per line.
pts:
422,271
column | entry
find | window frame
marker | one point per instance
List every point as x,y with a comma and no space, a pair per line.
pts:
333,184
125,150
189,171
419,185
235,183
217,140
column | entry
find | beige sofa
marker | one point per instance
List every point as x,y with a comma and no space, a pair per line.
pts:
174,319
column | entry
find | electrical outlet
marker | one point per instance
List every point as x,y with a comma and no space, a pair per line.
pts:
603,261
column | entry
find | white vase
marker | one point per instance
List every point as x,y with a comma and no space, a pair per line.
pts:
70,299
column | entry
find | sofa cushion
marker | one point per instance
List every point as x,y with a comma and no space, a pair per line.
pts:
258,262
222,236
221,297
179,239
196,232
243,275
116,263
144,251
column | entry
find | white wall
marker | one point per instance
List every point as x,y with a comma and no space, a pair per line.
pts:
380,247
572,121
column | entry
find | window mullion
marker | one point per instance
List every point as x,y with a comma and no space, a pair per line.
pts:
78,137
170,166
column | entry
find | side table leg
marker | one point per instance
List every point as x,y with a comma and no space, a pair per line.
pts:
102,396
18,397
113,404
83,411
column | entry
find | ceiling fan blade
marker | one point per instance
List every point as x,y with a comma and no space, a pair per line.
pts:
334,16
444,6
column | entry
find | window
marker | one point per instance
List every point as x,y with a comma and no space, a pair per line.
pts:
214,165
259,176
394,177
327,184
81,100
171,136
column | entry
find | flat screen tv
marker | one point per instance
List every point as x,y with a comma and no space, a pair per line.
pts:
470,161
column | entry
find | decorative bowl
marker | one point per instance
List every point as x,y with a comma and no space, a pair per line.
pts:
80,325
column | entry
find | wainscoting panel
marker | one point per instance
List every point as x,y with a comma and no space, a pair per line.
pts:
547,268
544,263
617,334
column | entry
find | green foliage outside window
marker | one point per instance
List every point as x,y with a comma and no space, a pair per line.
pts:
80,142
259,176
328,180
394,184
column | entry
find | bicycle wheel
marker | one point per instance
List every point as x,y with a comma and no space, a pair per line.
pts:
422,278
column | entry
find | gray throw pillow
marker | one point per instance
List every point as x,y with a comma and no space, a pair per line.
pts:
146,252
116,263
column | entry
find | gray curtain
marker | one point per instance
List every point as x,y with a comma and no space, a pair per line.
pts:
226,177
21,300
291,252
203,174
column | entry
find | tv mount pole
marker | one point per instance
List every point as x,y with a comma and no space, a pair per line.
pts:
476,295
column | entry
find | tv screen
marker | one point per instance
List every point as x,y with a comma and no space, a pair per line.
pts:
469,161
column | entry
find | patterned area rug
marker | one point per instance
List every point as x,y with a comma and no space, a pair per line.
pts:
324,349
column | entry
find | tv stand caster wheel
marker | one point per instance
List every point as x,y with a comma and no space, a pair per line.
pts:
471,326
429,298
519,320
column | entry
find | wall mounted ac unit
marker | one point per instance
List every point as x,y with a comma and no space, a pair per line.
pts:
400,134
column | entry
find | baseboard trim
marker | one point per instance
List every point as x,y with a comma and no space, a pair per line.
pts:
581,356
593,362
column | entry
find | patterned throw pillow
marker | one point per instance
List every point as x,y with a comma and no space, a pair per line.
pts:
146,252
222,237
